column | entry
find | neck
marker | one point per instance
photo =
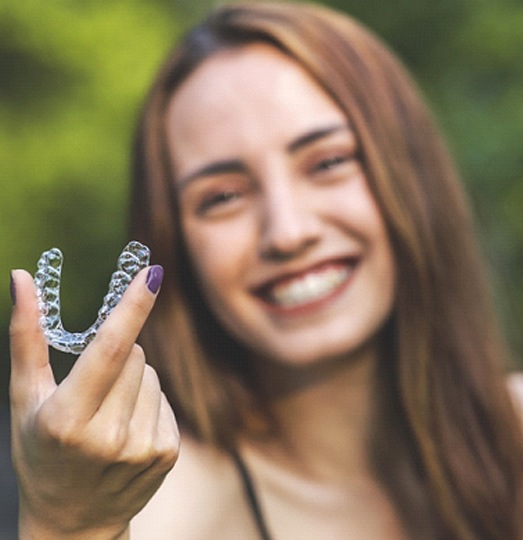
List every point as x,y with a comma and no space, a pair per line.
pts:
323,414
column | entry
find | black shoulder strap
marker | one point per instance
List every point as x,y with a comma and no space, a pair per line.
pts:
252,498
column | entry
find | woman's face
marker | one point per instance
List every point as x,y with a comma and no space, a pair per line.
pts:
284,234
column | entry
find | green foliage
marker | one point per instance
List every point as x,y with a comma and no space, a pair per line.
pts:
72,77
466,56
73,74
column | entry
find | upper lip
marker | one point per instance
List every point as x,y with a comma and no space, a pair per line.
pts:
287,274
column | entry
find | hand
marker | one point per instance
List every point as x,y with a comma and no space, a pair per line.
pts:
90,452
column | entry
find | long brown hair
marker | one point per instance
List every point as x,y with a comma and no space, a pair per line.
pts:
446,442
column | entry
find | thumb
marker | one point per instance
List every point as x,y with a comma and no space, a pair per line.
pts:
31,374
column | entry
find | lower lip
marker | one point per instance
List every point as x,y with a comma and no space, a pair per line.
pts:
313,306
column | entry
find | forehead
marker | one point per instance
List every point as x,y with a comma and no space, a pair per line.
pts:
240,96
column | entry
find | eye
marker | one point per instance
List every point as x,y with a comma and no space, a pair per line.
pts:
218,201
334,166
331,162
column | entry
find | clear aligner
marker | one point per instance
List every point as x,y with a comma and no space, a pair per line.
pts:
133,258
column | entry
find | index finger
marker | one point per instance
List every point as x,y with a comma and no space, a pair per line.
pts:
98,368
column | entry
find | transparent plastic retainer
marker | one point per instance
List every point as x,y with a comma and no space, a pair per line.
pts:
133,258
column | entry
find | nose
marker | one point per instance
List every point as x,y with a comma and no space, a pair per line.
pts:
289,225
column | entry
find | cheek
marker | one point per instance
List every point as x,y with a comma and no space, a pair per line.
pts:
385,266
357,212
388,276
219,254
354,209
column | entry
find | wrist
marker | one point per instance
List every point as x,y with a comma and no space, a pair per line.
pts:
33,529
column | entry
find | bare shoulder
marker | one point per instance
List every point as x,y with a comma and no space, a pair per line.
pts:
201,497
515,385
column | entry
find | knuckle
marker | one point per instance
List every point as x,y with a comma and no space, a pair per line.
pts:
139,455
160,453
137,357
138,352
155,456
115,345
55,429
111,443
21,331
103,444
150,377
15,328
102,452
165,462
167,456
168,448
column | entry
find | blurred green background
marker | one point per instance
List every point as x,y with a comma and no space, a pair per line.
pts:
73,75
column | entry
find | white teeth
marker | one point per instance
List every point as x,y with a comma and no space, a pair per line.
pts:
309,288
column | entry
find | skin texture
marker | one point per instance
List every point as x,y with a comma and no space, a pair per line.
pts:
92,451
106,430
440,409
271,190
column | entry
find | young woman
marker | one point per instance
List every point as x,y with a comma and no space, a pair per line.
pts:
324,332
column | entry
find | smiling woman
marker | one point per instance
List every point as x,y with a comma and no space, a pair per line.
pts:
324,332
287,243
317,224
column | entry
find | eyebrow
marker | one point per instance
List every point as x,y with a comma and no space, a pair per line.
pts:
212,169
238,166
314,135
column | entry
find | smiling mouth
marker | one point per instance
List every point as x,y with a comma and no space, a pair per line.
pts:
309,288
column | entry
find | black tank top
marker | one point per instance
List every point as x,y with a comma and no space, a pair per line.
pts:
252,498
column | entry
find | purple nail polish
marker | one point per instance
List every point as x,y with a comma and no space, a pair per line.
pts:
13,290
154,278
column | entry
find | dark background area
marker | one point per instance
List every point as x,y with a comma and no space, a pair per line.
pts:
73,74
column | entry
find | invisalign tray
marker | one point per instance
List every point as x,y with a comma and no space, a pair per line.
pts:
133,258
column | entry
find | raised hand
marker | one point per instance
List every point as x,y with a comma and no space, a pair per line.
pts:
89,452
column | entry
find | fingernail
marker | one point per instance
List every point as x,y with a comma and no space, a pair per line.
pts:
154,278
13,289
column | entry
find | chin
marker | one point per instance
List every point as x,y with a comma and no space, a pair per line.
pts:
319,354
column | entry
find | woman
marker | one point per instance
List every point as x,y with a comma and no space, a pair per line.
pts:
324,332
